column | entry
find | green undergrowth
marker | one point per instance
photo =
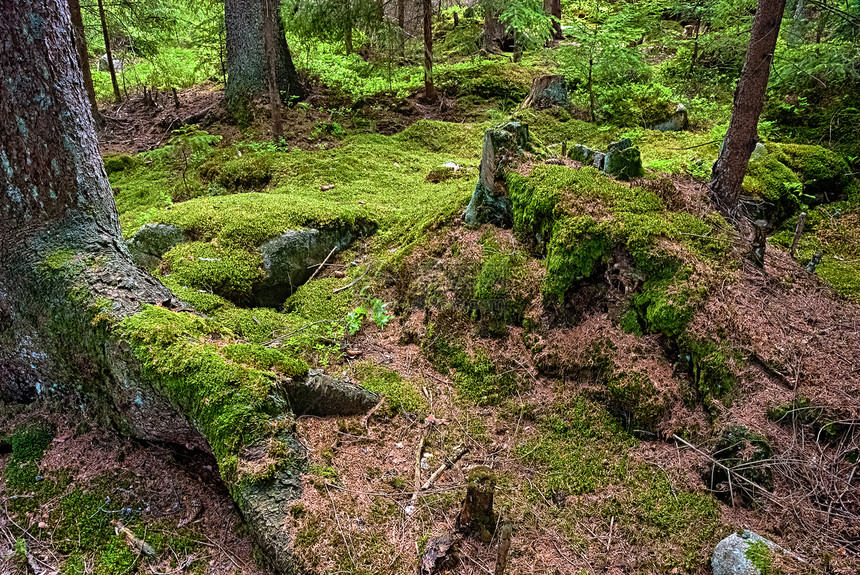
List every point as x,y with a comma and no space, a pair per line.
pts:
582,451
370,181
833,230
400,394
28,444
500,287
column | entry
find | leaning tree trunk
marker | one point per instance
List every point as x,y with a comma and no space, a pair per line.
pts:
79,37
246,57
70,297
731,167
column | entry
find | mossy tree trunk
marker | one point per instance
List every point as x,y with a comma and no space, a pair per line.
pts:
739,143
68,287
246,57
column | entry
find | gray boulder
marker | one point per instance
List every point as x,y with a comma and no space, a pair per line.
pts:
758,152
103,64
151,242
490,203
676,122
623,161
599,160
744,554
290,259
323,395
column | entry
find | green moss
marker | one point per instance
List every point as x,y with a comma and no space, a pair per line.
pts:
250,172
668,301
400,394
257,325
822,171
28,444
227,272
634,397
583,216
118,162
739,447
759,555
230,404
499,290
317,300
476,377
265,358
772,181
487,79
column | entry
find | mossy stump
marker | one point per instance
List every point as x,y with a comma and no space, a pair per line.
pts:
476,514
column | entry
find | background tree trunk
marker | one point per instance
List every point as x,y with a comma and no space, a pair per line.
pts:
731,166
80,39
269,24
117,96
246,60
429,87
67,281
553,8
494,32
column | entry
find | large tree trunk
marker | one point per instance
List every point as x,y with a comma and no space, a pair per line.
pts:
246,57
111,68
494,31
429,86
69,293
270,17
731,167
80,39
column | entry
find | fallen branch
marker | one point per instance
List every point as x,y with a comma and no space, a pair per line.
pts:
319,267
458,453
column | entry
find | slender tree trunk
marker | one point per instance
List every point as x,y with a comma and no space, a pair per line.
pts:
429,87
68,286
731,166
80,39
116,94
347,27
269,18
401,23
247,77
695,48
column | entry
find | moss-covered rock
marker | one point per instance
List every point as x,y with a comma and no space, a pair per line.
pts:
118,162
776,185
824,174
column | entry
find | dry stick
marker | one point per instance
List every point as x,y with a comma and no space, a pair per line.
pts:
611,525
729,471
801,222
458,453
319,267
418,454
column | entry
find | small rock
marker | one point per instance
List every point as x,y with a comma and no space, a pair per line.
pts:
582,154
676,122
758,152
151,242
742,554
623,161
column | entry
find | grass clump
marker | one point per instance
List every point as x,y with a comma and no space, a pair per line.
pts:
400,394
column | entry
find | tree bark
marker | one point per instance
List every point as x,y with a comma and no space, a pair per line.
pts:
494,32
68,286
553,8
246,59
429,87
731,166
80,40
117,96
401,23
269,39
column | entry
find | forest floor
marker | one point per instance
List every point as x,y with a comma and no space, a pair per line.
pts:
607,405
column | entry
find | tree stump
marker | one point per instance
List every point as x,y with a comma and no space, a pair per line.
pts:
476,514
547,92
